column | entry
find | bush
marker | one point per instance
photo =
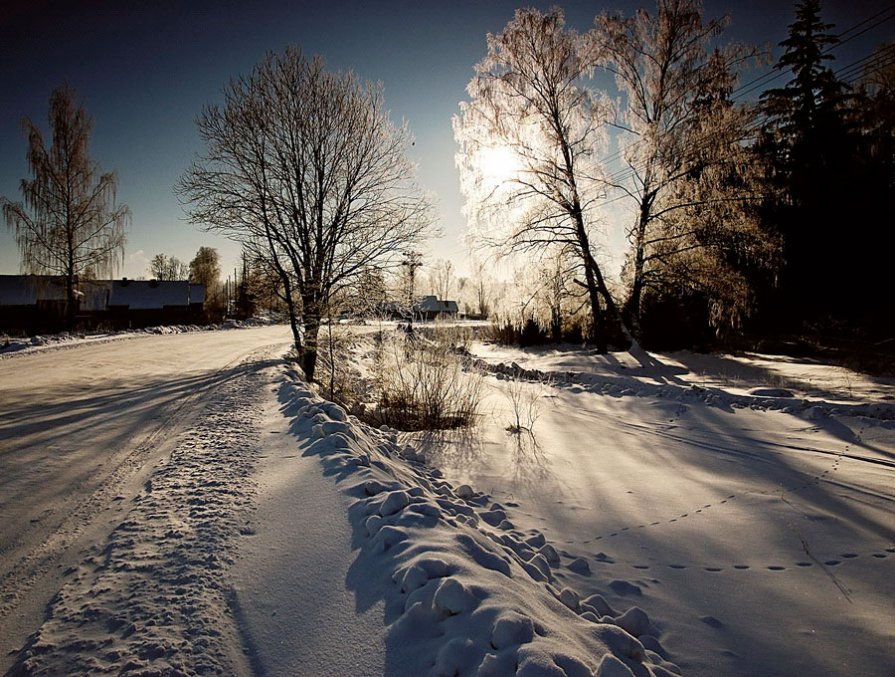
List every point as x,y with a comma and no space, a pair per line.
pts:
423,384
532,333
509,334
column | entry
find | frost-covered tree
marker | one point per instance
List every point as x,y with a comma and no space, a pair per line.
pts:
479,287
68,223
164,267
205,269
307,163
369,296
877,94
689,174
441,279
530,138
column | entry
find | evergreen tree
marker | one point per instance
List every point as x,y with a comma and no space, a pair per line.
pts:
810,144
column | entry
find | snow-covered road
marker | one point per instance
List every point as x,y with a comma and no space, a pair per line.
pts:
81,430
759,542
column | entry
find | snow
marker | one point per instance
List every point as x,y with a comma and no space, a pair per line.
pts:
451,574
755,528
82,434
185,504
289,581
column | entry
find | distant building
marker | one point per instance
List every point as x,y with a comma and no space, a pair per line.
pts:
431,308
36,303
143,303
31,303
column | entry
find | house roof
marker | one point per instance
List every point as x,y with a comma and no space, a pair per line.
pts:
27,290
95,294
431,304
197,293
149,294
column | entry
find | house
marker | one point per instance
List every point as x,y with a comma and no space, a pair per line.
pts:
32,303
36,303
144,303
431,308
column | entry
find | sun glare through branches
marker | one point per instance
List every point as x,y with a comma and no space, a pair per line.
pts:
498,165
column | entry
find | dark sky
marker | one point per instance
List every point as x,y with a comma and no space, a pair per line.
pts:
143,70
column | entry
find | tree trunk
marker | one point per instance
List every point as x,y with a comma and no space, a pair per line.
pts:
287,290
593,289
596,287
311,323
293,312
290,302
593,292
71,302
309,351
633,304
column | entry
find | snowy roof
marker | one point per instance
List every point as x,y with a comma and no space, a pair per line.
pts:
431,304
148,295
95,294
197,293
27,290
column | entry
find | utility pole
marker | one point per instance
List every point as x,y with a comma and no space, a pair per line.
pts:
413,261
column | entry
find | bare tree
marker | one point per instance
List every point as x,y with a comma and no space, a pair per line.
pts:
529,139
68,224
441,278
307,163
480,284
164,267
689,171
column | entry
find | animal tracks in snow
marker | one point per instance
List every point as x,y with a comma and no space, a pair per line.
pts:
830,561
813,480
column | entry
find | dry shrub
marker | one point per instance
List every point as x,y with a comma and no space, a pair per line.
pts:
423,384
525,399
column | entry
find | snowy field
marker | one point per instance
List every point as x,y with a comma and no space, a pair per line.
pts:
746,503
183,504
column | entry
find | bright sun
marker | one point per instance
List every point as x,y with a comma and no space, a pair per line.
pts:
499,164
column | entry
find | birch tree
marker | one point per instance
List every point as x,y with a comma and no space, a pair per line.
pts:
69,223
689,175
307,163
530,138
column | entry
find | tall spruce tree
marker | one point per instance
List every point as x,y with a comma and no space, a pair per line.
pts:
812,152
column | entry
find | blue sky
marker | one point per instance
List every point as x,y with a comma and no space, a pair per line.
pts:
143,70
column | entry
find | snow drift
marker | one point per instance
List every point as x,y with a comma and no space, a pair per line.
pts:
464,591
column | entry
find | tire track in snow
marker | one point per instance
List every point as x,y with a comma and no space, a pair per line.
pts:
125,607
45,556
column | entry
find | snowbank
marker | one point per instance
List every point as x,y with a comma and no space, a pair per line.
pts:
615,384
464,591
